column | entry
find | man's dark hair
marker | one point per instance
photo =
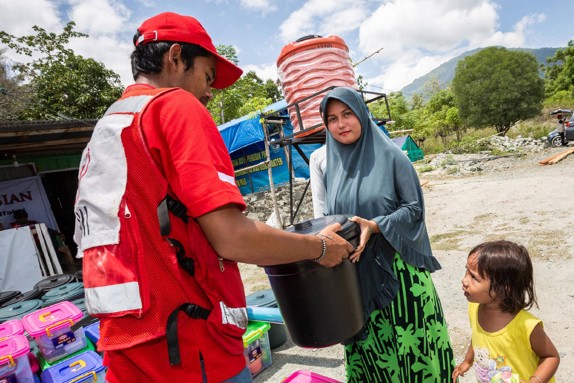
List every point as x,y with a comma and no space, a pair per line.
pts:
148,58
509,268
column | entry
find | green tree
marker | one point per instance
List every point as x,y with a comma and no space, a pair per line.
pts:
443,115
62,83
497,87
14,96
559,74
249,94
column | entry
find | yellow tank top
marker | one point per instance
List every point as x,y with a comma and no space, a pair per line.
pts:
504,356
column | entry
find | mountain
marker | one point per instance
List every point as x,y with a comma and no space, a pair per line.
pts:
445,72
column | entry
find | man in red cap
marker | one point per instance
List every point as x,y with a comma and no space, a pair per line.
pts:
159,219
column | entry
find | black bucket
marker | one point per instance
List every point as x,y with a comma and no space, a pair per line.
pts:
54,281
320,306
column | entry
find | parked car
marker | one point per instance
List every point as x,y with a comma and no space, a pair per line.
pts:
567,116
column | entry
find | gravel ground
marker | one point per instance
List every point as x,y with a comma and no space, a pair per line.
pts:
511,198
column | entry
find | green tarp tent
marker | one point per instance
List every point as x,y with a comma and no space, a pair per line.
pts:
408,145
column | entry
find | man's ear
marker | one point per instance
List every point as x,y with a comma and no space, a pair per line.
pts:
174,55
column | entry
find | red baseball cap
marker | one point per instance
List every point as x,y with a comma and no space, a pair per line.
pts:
170,26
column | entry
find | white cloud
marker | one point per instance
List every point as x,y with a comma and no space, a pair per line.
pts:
323,17
419,35
42,13
105,21
514,39
99,17
259,5
402,72
264,72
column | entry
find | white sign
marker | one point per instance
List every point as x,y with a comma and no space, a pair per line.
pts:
19,267
25,193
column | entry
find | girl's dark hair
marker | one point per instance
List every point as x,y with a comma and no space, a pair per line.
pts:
509,268
148,58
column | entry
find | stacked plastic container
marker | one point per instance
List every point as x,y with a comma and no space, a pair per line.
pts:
85,367
93,332
307,66
257,350
51,328
14,362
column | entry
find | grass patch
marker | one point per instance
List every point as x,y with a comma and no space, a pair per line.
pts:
523,220
426,169
448,241
484,217
452,170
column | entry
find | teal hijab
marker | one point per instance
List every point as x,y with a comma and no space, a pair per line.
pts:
373,179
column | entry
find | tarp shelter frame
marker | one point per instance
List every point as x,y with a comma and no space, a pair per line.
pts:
298,138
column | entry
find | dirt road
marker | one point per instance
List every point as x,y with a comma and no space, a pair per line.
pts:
518,200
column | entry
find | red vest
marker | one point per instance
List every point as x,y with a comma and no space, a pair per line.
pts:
131,275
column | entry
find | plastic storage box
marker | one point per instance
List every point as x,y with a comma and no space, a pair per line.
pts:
257,349
303,376
14,363
85,368
51,328
45,365
11,328
93,332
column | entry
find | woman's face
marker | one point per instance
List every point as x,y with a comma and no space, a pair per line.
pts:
342,122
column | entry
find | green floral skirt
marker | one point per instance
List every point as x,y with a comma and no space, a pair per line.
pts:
407,341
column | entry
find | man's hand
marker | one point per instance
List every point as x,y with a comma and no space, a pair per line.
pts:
337,247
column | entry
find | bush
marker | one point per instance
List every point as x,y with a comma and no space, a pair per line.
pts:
534,130
470,144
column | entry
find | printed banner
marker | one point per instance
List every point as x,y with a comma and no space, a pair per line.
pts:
251,175
25,193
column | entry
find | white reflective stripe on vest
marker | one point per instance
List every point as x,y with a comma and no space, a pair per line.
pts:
234,316
113,298
128,105
226,178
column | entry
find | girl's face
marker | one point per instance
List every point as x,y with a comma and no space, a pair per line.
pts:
342,122
476,288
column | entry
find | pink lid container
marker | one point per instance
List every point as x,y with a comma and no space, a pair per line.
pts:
11,328
302,376
12,348
51,318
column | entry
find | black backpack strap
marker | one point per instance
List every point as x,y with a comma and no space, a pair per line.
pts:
184,262
170,204
192,311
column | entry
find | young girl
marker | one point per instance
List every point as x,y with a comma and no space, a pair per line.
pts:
508,344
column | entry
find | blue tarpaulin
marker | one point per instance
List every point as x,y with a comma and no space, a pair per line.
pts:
244,138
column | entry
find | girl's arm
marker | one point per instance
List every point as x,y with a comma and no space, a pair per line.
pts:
462,368
546,351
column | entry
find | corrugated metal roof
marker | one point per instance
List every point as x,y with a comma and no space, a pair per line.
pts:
44,137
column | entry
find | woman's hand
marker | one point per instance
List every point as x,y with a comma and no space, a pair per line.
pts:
367,228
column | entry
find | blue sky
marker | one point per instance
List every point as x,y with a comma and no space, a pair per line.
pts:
416,35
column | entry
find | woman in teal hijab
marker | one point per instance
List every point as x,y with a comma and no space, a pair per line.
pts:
405,338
